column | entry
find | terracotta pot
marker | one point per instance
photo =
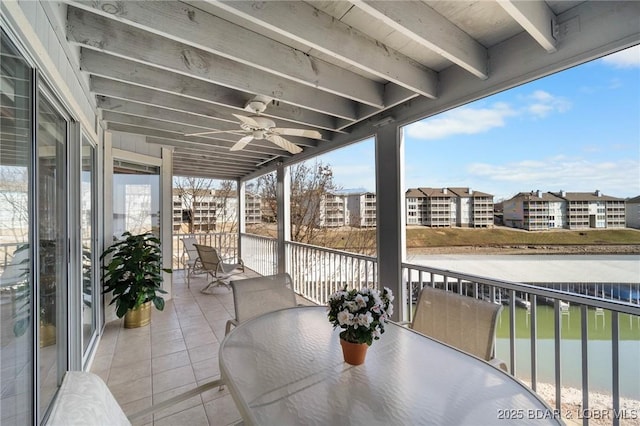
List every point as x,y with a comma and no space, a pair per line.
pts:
354,353
138,317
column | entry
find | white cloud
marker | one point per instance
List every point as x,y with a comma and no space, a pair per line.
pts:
543,103
470,121
555,173
464,120
628,58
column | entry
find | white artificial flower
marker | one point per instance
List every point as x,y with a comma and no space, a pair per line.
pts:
345,318
365,319
361,300
376,332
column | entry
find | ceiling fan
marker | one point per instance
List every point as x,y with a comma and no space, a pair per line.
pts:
258,127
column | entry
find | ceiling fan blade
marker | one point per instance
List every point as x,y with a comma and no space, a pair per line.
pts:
211,132
313,134
284,144
241,143
247,120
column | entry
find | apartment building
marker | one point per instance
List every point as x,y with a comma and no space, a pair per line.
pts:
472,208
208,209
333,211
632,212
535,210
445,207
362,209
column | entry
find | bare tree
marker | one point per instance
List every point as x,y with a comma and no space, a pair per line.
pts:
220,196
311,183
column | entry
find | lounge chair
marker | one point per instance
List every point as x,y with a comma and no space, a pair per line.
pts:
190,254
216,267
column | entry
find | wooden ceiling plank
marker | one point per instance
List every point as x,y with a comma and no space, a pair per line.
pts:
196,147
183,130
422,24
139,130
305,24
190,25
158,64
120,90
536,18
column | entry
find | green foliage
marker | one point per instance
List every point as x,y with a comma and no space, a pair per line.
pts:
134,273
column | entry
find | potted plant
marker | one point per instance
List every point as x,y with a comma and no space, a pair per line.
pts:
134,277
361,314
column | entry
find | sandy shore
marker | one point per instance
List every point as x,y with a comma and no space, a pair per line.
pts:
600,410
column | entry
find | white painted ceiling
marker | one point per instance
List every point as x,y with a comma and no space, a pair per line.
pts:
166,69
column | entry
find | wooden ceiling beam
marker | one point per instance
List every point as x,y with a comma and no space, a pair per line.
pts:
536,18
121,90
192,26
158,65
425,26
301,22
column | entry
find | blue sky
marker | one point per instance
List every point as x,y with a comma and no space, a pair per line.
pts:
578,130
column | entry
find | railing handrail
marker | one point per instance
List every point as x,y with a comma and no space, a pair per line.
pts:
334,251
259,237
614,305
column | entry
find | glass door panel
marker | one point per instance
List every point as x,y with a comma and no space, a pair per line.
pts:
52,259
136,198
16,309
87,235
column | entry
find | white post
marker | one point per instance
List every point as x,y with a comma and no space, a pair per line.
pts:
283,196
242,214
390,214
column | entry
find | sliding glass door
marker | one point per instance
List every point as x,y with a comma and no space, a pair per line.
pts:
51,145
16,202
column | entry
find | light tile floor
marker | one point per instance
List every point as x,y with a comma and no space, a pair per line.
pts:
176,353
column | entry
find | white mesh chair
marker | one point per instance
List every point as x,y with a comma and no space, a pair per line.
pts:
257,296
219,271
463,322
190,256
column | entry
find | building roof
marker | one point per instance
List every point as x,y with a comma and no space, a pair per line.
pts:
415,193
436,192
536,196
585,196
468,192
634,200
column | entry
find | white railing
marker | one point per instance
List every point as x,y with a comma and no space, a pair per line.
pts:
225,242
317,271
260,253
561,343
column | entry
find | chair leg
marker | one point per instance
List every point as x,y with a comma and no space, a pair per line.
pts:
216,283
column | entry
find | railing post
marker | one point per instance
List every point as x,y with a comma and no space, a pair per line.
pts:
242,224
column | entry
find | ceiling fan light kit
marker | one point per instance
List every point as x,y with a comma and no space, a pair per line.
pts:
258,127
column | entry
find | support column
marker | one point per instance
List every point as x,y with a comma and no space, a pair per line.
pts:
242,214
390,214
283,196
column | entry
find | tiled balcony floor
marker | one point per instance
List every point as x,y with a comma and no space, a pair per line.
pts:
176,353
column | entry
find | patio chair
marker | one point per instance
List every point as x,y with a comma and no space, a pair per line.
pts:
257,296
220,271
190,253
462,322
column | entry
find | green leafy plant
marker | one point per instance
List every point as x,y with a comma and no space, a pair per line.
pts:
134,273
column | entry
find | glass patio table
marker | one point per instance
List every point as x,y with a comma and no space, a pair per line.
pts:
286,368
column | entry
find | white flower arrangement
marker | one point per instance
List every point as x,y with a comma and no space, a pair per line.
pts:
360,313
